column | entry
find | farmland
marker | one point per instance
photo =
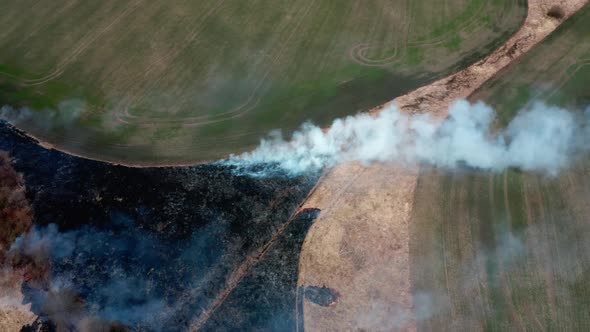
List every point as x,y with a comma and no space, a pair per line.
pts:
509,251
182,81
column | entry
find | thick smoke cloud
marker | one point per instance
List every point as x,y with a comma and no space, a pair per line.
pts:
541,138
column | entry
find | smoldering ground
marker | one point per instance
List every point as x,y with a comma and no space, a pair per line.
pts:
122,260
127,277
149,248
104,277
540,138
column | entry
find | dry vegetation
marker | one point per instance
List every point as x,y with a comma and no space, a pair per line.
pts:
15,212
447,254
359,248
15,220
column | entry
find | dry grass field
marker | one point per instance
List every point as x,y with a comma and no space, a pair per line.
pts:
178,81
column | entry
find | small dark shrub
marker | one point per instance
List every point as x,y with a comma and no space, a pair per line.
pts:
556,12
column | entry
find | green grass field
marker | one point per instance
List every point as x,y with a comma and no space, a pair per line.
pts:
182,81
510,251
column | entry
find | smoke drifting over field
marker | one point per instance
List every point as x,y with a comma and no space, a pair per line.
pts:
540,138
65,115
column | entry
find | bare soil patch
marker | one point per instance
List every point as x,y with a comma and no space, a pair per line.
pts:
358,249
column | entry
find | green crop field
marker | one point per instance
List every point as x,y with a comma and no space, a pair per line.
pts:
182,81
557,71
510,251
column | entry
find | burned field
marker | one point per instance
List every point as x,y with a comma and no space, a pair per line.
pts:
97,246
209,78
509,250
163,249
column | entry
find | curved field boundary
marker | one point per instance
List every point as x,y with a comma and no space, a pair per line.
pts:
125,117
438,96
319,250
81,47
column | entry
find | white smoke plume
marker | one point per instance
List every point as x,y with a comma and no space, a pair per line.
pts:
66,114
541,138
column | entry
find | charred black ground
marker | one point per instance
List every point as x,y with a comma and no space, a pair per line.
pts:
151,248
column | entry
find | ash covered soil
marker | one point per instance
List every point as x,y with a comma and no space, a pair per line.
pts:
160,249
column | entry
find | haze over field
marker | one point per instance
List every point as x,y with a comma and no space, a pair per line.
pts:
540,138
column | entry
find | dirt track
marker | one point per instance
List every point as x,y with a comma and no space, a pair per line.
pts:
359,246
438,96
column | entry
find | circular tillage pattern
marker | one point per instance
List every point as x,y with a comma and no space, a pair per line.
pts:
229,73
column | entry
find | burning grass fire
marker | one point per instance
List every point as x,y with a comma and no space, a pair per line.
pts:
540,138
